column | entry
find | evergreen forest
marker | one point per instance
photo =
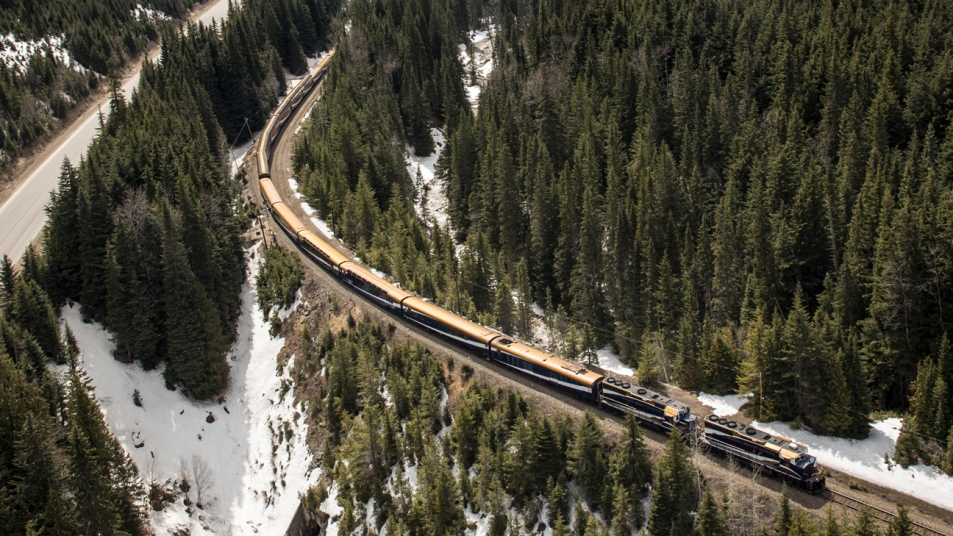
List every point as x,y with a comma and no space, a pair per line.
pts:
146,231
413,445
741,196
98,37
61,470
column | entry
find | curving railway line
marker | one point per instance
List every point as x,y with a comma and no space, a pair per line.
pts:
885,516
780,456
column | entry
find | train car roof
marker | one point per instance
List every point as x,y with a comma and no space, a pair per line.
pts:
333,255
576,371
647,395
289,217
323,63
271,193
393,292
459,323
786,447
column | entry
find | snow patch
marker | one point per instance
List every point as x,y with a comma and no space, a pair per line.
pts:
322,226
431,202
237,154
16,53
478,65
294,188
723,406
254,449
865,459
285,312
331,507
611,361
313,62
142,12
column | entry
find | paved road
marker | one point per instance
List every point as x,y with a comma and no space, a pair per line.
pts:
23,216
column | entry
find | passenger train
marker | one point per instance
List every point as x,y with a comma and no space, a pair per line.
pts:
778,455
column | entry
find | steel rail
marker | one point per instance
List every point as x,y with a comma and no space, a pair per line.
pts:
884,516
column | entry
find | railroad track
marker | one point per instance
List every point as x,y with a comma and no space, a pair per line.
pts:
847,501
884,516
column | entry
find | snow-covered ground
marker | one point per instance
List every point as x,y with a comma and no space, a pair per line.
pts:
865,459
479,65
237,153
318,222
610,361
142,12
862,459
16,53
723,406
431,203
254,452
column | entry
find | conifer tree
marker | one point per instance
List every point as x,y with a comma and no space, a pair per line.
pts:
948,457
33,311
504,310
865,524
900,525
721,363
559,526
673,497
711,520
622,512
630,465
587,461
8,278
784,519
194,342
832,526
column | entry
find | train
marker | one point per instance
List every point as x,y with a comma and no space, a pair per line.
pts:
778,455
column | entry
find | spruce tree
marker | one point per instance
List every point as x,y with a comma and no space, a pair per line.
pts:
673,497
865,524
559,526
784,519
587,461
504,310
558,503
622,512
711,519
948,457
831,525
34,313
900,525
630,464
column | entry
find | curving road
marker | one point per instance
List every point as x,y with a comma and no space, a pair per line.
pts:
22,216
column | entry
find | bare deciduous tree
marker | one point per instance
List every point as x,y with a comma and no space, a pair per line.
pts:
202,479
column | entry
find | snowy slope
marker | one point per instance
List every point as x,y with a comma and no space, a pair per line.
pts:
723,406
480,63
611,361
431,201
255,451
862,459
16,53
865,459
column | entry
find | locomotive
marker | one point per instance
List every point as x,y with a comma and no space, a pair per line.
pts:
778,455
